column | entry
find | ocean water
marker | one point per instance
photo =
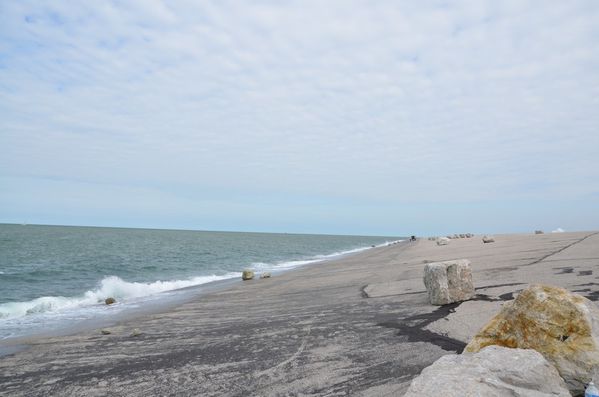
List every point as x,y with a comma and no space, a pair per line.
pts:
53,277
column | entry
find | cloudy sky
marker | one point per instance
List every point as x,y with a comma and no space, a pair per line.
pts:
359,117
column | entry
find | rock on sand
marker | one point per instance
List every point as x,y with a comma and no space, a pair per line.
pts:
443,241
488,239
247,274
136,332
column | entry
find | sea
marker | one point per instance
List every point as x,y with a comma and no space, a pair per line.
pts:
55,277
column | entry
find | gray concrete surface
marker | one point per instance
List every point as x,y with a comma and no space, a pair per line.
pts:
309,332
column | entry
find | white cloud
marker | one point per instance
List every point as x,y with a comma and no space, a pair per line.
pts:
386,102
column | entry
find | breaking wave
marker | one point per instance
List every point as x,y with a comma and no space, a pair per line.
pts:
111,286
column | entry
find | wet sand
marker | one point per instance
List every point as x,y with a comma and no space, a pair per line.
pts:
359,325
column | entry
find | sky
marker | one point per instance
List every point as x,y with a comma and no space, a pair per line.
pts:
349,117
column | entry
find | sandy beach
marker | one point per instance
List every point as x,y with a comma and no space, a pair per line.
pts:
360,325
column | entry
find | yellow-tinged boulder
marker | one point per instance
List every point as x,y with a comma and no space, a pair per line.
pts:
562,326
247,274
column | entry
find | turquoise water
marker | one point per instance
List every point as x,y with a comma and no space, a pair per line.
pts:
51,275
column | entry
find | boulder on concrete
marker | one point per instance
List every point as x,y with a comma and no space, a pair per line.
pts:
448,282
488,239
562,326
493,372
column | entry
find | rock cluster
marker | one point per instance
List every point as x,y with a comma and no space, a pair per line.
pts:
247,274
451,236
494,371
562,326
448,282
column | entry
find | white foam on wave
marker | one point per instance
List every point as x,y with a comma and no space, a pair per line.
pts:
47,309
315,259
111,286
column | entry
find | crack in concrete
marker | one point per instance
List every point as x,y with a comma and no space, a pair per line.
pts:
560,250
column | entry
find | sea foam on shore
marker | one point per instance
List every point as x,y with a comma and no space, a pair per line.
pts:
161,255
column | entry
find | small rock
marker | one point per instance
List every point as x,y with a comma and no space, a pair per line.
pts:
106,331
494,371
265,275
110,301
488,239
443,241
247,274
136,332
562,326
448,282
539,232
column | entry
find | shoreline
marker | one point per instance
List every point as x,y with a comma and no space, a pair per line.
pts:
174,298
359,325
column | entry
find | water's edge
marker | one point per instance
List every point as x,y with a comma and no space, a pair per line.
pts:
181,296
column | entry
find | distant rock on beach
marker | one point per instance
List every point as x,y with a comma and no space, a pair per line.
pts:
443,241
247,274
136,332
488,239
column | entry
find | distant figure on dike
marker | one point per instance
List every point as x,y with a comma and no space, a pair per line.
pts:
413,238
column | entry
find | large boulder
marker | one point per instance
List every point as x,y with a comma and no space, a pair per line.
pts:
247,274
448,282
493,372
562,326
